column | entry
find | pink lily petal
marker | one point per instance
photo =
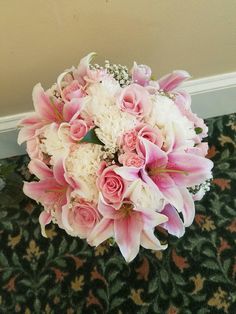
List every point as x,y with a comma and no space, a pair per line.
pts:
151,219
153,154
106,210
149,241
59,171
45,191
141,74
127,235
64,217
188,209
173,80
174,225
31,120
43,105
40,169
183,100
72,109
166,186
102,231
44,219
83,68
128,173
196,168
25,134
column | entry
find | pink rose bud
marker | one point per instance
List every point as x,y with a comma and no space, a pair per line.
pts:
128,141
82,218
111,185
72,91
141,74
149,133
131,160
78,129
135,100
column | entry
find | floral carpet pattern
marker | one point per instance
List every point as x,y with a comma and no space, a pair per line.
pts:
61,274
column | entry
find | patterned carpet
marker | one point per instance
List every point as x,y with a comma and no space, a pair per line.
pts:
195,275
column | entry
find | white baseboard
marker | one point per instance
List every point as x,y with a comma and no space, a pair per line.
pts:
211,96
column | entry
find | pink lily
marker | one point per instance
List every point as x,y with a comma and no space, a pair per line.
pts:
141,74
172,80
52,191
174,225
130,227
48,110
171,174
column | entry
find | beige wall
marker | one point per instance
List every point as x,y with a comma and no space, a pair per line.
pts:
40,38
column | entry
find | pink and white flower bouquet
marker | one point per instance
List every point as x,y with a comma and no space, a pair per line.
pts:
116,154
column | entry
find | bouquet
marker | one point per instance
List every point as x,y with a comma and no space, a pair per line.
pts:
116,153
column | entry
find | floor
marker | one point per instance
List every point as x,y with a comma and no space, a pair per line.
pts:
61,274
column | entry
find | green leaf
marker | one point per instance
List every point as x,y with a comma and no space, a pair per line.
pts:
117,286
217,278
153,285
60,262
211,264
51,251
179,280
208,252
15,260
3,260
6,275
226,264
62,246
102,294
91,137
26,282
164,275
116,302
73,245
223,166
198,130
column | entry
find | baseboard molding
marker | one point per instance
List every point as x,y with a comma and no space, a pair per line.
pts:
211,96
211,83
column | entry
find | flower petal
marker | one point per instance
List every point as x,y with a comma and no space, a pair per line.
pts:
40,169
174,225
149,241
153,154
173,80
188,209
196,169
127,173
102,231
59,171
42,104
44,219
72,109
106,210
127,235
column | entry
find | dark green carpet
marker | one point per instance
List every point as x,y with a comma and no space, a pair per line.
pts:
195,275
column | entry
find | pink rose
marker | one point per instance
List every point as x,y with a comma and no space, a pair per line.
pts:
111,185
131,160
81,218
149,133
135,100
128,140
78,129
72,91
141,74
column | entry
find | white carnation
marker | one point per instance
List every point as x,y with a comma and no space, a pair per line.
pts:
101,105
52,143
144,197
167,116
82,164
